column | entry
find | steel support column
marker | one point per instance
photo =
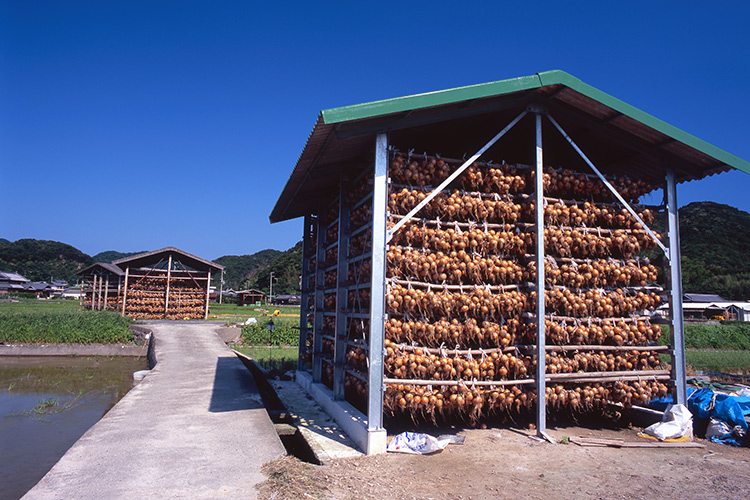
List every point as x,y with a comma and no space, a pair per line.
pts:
378,290
304,290
541,367
674,277
342,271
317,363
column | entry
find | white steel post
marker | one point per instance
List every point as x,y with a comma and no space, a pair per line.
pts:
541,368
676,321
378,290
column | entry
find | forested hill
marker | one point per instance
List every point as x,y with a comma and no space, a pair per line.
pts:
110,255
239,270
715,246
42,260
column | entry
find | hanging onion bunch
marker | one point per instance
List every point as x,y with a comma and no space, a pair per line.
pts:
503,241
333,212
501,179
586,244
360,271
332,255
418,363
566,183
467,333
358,299
454,267
456,206
597,302
455,402
332,234
601,361
607,332
477,303
329,279
595,274
360,244
430,171
359,189
357,358
588,214
358,328
360,216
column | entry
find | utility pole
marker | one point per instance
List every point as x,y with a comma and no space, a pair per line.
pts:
270,289
221,286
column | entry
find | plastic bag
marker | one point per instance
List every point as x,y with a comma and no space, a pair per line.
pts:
417,443
676,423
717,428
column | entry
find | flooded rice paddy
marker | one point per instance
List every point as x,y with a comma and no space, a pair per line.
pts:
46,404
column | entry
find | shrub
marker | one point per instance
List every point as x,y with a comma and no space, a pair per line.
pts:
284,333
729,335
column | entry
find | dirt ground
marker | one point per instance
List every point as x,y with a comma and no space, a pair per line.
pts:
504,463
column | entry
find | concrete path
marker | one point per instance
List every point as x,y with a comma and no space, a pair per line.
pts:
194,428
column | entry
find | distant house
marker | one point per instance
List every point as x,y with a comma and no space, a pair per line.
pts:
287,299
11,282
250,297
702,297
72,293
704,306
41,289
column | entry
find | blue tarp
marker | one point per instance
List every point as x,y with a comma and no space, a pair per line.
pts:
705,403
701,403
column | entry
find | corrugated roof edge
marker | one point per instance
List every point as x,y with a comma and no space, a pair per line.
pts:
563,78
131,258
554,77
428,99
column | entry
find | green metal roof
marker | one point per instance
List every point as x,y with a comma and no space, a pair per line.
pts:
621,138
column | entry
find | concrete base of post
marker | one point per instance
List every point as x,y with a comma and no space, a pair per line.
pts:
352,421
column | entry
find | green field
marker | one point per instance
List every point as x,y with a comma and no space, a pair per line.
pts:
226,312
34,305
271,357
235,313
720,360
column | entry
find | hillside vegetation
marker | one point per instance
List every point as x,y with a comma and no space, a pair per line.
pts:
715,240
42,260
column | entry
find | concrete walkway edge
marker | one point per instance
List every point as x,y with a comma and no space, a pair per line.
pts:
195,428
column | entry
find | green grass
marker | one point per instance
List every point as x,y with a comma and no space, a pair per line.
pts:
34,305
271,357
723,360
235,313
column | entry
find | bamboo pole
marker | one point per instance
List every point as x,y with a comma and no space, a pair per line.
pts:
125,291
169,278
106,292
629,376
93,294
556,348
208,294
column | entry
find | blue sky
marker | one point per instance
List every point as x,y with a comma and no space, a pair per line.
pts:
133,125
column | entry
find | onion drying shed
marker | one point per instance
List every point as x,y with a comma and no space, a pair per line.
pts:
426,292
166,283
